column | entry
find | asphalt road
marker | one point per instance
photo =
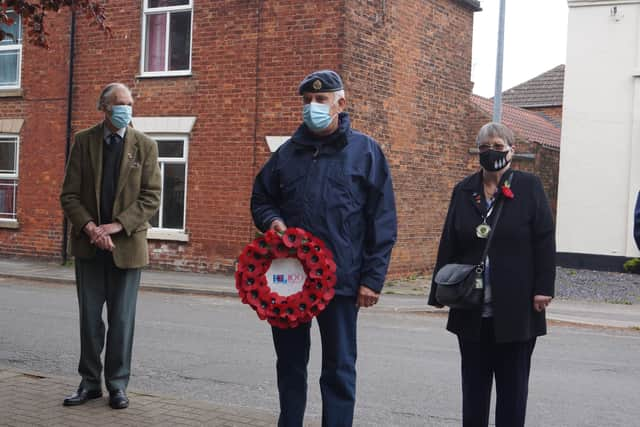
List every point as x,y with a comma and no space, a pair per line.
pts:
215,349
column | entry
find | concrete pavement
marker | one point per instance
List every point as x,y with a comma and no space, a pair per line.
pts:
399,298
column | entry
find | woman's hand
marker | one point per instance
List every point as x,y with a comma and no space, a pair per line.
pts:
540,302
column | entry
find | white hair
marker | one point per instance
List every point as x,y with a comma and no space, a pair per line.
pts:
491,130
106,94
338,95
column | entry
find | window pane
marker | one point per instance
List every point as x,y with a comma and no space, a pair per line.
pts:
8,68
8,198
171,149
155,42
167,3
173,202
180,41
15,30
7,155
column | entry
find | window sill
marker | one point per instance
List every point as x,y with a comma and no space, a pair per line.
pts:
176,236
9,223
163,75
11,93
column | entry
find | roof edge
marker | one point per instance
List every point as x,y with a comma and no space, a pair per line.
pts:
583,3
530,105
474,5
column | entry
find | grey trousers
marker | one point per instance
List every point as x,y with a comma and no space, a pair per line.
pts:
99,281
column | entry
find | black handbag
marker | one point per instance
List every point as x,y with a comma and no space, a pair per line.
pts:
461,286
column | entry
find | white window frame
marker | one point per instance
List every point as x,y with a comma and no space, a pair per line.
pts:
146,11
18,47
172,233
13,176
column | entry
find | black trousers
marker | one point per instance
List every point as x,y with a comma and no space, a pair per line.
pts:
99,281
510,364
337,324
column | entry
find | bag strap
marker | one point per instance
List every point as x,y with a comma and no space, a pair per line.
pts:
485,253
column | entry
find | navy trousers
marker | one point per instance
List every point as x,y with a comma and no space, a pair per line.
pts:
338,377
510,363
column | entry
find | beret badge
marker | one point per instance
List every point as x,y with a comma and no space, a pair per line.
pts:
317,85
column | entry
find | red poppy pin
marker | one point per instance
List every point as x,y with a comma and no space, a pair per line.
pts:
506,190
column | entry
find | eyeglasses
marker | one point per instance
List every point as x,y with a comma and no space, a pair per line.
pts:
496,147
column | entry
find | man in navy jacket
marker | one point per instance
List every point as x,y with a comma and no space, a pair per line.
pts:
335,183
636,222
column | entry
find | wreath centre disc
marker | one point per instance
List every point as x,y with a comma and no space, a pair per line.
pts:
286,276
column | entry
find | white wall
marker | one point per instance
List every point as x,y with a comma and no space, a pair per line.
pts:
600,152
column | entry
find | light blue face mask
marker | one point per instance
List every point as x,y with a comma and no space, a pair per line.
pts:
121,115
316,116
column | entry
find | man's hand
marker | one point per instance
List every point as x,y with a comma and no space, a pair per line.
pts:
105,243
367,297
540,302
278,226
101,236
91,229
111,228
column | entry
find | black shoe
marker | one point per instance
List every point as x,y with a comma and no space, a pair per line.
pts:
118,399
81,396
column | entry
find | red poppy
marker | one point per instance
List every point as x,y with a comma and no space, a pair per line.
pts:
330,265
280,250
260,246
304,251
249,265
507,192
254,297
294,237
246,255
328,294
262,308
249,283
272,237
277,299
317,259
330,279
316,272
319,304
318,244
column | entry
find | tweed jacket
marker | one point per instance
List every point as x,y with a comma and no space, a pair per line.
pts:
137,195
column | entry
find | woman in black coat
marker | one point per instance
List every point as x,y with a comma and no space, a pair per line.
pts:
497,339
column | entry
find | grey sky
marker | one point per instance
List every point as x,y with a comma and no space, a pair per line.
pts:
535,41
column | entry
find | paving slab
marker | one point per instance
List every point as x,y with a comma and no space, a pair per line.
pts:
32,399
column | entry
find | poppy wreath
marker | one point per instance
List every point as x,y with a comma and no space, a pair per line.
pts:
318,289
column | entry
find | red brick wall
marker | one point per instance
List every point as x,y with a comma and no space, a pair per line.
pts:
43,107
408,84
547,167
406,67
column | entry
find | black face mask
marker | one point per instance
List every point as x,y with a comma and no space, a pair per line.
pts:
494,161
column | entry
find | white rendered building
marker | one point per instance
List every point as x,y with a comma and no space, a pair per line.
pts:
600,149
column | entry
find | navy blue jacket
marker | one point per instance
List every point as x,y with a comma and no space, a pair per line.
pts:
636,222
338,188
522,256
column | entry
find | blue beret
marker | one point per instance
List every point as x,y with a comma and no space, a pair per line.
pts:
321,81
